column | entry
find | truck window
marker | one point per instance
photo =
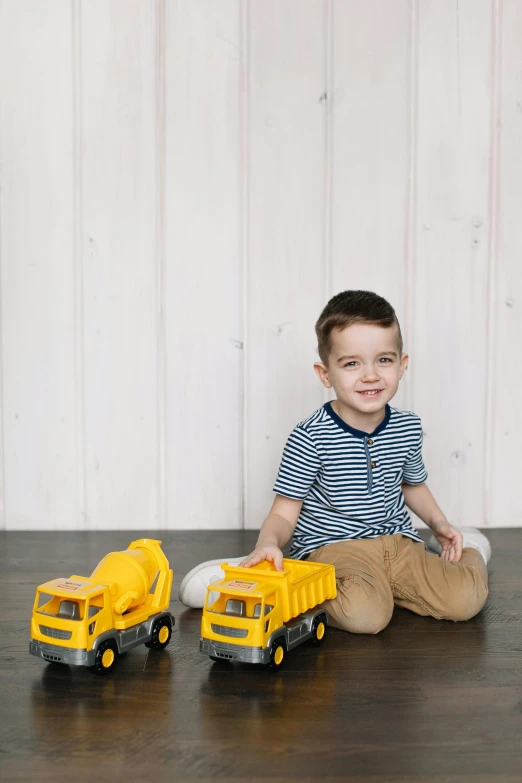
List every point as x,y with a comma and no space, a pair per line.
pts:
235,608
54,606
69,610
257,610
95,605
47,604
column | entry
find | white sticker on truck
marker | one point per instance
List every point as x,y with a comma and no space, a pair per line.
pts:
67,585
240,584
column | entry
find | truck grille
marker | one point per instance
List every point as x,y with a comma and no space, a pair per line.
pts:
55,632
224,630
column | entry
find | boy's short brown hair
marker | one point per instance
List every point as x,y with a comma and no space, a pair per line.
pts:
353,307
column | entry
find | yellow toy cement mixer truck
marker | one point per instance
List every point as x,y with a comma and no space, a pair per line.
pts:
256,615
88,621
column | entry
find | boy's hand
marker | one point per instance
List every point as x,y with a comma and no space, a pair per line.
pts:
450,540
268,552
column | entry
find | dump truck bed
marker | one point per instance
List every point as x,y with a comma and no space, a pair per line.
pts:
302,584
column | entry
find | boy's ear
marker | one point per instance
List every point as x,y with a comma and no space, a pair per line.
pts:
322,373
404,364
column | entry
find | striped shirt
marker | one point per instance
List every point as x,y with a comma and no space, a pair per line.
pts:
350,480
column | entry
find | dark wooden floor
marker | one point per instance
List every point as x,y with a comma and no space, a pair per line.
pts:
422,701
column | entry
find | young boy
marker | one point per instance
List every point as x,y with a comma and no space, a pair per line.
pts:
348,472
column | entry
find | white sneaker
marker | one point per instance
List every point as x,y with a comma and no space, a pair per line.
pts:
193,588
471,537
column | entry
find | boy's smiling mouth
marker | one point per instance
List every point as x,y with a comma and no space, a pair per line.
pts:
370,392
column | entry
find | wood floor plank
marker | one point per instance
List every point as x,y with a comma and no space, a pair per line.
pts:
424,701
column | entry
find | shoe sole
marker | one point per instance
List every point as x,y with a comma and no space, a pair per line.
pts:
197,568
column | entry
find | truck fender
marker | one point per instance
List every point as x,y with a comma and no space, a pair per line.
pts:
317,614
279,633
158,616
103,637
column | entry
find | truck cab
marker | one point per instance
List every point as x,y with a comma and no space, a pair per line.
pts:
242,613
71,613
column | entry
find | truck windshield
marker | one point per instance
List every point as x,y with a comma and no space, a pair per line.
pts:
235,607
55,606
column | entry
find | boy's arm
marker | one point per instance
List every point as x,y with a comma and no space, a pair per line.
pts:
421,501
276,531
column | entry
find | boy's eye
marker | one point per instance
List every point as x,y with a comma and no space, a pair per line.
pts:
383,359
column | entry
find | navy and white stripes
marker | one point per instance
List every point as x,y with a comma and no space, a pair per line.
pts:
350,480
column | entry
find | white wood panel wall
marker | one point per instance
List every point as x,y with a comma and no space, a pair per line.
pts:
184,184
450,328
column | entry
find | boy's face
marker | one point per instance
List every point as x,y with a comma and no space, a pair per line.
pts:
363,357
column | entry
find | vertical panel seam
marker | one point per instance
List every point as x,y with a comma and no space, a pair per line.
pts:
411,202
161,379
244,247
328,65
492,251
79,395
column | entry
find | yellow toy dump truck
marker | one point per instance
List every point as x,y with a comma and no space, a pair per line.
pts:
256,615
88,621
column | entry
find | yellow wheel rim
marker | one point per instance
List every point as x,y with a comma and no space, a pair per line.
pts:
279,655
320,631
107,658
163,634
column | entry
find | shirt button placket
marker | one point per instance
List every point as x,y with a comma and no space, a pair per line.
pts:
371,464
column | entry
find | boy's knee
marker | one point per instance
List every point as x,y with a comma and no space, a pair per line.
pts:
467,602
371,622
361,613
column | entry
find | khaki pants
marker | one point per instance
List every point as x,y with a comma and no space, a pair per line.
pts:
374,574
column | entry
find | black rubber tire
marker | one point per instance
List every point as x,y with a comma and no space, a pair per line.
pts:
98,666
315,641
274,655
155,644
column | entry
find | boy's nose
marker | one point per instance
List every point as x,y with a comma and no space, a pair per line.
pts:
370,374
